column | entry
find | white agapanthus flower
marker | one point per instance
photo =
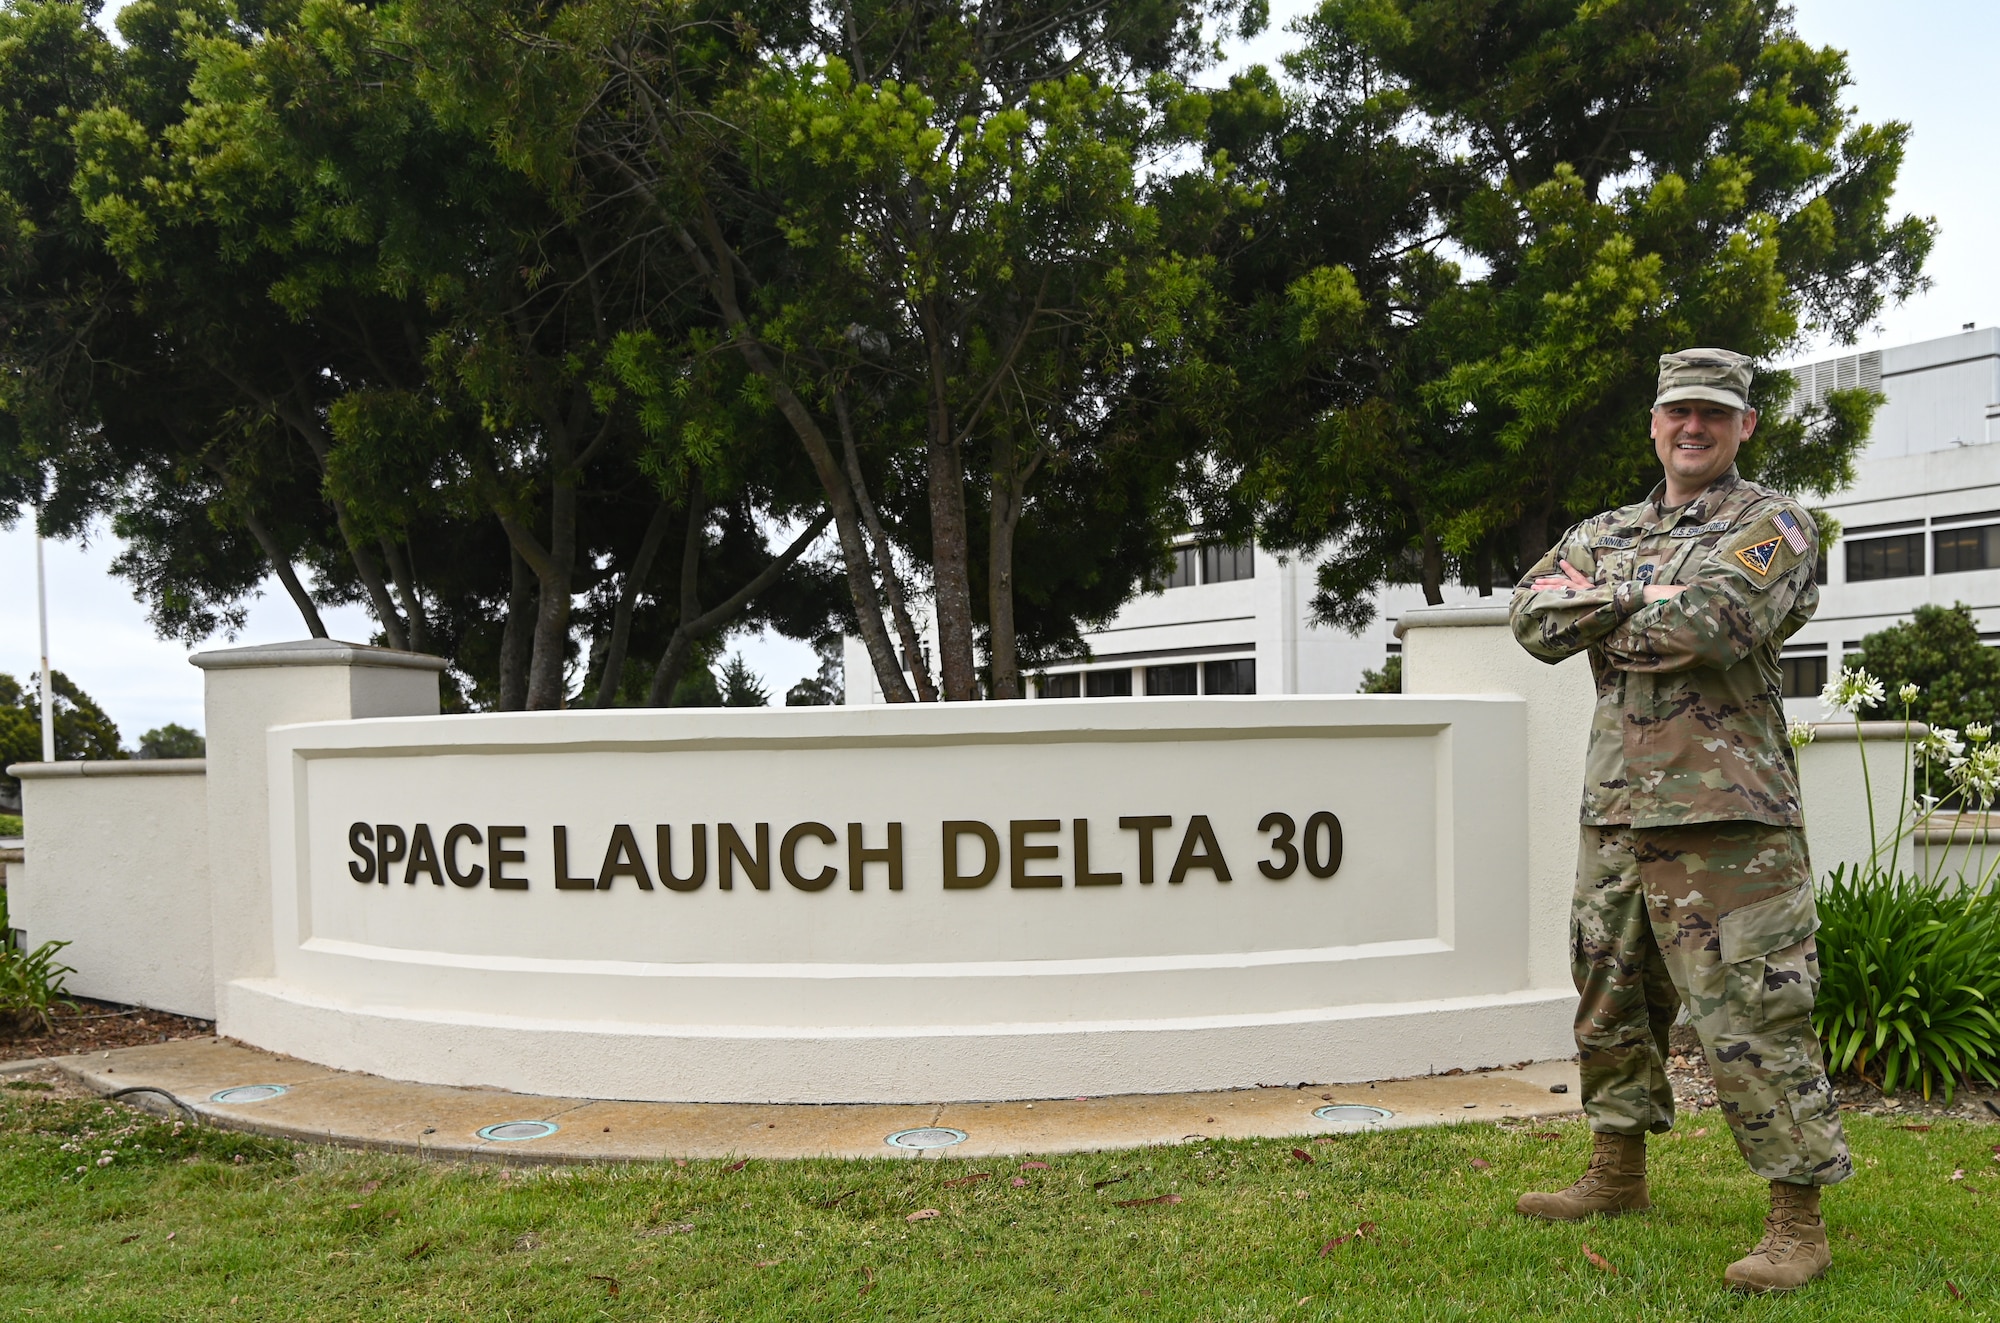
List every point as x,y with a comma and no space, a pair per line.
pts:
1940,745
1850,691
1923,806
1800,733
1977,775
1978,733
1908,693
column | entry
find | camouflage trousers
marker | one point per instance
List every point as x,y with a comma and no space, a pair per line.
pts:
1718,916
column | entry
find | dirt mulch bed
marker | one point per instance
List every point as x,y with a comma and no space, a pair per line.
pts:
97,1026
1694,1090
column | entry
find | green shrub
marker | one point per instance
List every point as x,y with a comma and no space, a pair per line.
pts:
31,983
10,824
1940,652
1909,979
1388,680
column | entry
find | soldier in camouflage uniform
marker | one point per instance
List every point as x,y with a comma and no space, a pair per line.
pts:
1693,885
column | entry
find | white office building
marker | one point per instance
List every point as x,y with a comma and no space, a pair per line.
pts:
1922,521
1920,524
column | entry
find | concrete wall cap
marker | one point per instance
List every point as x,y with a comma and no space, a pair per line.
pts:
1432,617
314,652
1869,730
111,767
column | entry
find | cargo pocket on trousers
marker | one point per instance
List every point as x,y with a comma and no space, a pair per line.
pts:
1770,963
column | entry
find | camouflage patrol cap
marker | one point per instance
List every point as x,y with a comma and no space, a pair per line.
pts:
1720,375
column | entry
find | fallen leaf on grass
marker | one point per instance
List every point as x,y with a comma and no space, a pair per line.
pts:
922,1215
670,1229
1019,1182
867,1280
844,1194
369,1187
1481,1164
610,1283
1110,1180
1547,1134
1919,1129
1599,1262
1362,1232
1141,1203
769,1263
1958,1175
354,1206
1302,1155
973,1179
1701,1133
129,1239
738,1165
1034,1166
423,1248
1953,1289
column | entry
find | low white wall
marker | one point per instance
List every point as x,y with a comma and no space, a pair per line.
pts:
1835,791
1470,650
1076,967
120,854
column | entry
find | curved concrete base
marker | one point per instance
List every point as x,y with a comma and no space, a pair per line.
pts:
913,1064
363,1111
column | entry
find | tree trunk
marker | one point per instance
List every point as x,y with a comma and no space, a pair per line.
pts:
952,580
720,276
1532,535
1004,516
1433,570
517,635
885,562
554,600
281,565
406,588
628,599
696,624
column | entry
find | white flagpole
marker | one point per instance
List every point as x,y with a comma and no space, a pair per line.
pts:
48,692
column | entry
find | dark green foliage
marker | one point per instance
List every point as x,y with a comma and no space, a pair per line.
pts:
1388,680
1909,990
1621,180
82,728
10,824
828,688
741,686
1939,651
172,741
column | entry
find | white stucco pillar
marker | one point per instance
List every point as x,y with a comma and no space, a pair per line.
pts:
1470,650
250,690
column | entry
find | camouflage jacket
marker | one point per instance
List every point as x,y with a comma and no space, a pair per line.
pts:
1690,719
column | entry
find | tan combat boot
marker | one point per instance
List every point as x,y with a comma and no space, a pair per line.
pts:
1793,1250
1614,1182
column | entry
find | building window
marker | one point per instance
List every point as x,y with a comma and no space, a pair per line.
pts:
1178,678
1187,567
1223,562
1803,676
1066,684
1898,557
1819,567
1229,677
1961,549
1108,684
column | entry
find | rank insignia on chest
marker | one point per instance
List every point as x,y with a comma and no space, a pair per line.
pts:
1759,557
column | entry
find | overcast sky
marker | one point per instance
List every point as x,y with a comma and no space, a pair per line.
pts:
1926,62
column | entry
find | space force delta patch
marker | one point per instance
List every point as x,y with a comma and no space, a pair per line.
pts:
1759,557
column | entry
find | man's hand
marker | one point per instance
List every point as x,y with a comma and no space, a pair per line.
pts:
1570,577
1660,592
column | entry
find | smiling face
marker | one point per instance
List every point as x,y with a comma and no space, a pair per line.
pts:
1697,441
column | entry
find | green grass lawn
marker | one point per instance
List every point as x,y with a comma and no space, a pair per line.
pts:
202,1224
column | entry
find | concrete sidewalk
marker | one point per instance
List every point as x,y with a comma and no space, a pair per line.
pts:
330,1106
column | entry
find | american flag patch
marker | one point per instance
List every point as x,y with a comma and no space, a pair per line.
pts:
1788,527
